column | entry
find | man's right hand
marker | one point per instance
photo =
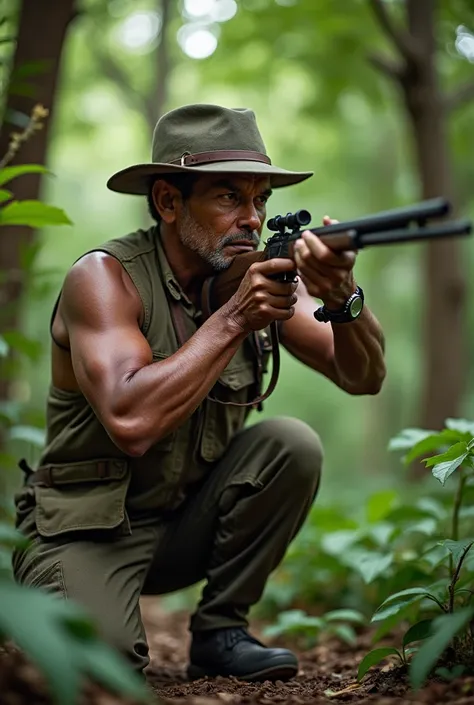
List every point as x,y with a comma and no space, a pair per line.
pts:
260,300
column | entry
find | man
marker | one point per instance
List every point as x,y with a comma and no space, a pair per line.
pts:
147,484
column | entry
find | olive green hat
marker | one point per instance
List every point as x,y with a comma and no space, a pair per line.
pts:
205,139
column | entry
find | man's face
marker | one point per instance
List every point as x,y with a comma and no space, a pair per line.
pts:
224,217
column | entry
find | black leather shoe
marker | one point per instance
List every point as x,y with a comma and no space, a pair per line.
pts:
233,652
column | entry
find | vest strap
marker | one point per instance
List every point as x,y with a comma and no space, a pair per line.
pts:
179,323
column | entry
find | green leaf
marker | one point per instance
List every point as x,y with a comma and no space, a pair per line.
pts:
409,592
24,612
397,602
425,526
456,451
344,632
12,538
384,613
404,611
460,425
5,195
370,564
294,621
11,172
374,657
32,213
59,637
444,470
432,506
337,542
105,666
380,504
434,442
450,674
417,632
456,548
4,347
20,343
444,629
29,434
408,438
345,615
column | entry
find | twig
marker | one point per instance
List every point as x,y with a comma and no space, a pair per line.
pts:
459,96
457,505
35,123
456,577
400,39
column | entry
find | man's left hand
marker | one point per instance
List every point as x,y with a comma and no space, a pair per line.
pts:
327,275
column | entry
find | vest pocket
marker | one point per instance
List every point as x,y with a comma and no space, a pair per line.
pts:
221,422
78,497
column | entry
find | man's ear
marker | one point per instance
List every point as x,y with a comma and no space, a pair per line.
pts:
165,197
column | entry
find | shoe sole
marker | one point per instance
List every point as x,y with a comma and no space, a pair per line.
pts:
282,672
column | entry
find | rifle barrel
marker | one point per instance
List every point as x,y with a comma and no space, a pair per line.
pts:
387,237
388,220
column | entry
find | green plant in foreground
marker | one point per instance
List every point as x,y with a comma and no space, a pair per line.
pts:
450,594
58,636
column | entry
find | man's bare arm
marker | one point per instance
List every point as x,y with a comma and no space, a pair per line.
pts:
139,401
349,354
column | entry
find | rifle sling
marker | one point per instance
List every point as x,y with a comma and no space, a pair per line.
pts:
179,323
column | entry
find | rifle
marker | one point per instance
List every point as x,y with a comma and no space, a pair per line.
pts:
396,226
408,224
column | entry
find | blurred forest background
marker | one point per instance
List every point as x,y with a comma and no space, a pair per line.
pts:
377,97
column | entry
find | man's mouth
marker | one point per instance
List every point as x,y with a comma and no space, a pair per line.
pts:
242,245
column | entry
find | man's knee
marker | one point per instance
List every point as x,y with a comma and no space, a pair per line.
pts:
299,445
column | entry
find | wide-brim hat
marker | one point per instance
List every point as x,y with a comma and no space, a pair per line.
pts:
207,139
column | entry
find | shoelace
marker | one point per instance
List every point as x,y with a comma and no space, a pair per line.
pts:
236,634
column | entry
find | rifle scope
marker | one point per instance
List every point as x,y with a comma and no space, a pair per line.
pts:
290,220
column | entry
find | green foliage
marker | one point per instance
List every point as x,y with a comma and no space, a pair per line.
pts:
299,623
441,634
375,657
409,556
32,213
60,638
451,591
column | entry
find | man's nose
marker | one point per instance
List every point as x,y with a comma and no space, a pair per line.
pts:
249,217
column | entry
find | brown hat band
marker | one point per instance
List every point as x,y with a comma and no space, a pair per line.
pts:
221,155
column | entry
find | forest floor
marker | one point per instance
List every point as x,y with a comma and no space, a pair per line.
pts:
327,675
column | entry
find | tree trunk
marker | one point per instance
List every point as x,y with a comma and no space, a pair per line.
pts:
41,32
164,60
444,363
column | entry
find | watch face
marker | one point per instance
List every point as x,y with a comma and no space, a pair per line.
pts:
355,307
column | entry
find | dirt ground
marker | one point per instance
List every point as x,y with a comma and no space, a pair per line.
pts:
327,675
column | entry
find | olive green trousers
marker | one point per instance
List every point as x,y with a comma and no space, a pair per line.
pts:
233,533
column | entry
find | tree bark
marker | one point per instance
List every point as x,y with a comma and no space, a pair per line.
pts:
40,37
444,373
444,363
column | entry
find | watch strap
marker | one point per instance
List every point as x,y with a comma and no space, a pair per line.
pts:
344,314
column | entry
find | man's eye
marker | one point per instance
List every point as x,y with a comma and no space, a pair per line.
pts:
263,200
229,196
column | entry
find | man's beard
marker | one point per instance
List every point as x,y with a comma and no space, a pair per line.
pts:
198,239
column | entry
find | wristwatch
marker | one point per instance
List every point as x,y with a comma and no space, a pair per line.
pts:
349,312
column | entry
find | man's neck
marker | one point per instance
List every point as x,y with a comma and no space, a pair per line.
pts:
188,268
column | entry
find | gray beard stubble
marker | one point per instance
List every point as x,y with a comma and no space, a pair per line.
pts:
197,238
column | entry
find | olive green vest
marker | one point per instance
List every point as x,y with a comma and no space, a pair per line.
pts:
79,451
